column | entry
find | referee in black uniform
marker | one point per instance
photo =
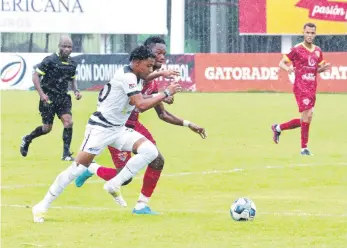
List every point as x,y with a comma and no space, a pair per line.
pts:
57,72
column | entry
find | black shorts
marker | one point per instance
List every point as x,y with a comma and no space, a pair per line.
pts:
59,105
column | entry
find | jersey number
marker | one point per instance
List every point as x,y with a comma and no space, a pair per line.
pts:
101,97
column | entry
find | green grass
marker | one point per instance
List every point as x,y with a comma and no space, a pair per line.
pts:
301,201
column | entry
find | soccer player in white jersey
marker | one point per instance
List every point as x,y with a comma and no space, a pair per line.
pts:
106,127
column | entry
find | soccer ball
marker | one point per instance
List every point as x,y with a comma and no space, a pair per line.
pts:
243,209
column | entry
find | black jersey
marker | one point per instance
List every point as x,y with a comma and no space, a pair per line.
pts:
57,74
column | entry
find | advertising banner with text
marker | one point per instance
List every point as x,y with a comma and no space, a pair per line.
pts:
260,72
83,16
93,70
276,17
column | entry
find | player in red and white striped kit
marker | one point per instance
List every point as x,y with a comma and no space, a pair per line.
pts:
120,158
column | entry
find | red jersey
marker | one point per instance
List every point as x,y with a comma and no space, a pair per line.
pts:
148,89
305,62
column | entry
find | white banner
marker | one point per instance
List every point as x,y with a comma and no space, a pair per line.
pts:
84,16
16,70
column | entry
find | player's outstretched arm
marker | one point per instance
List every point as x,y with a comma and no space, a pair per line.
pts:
143,104
166,74
174,120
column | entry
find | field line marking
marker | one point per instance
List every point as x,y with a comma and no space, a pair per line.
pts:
180,174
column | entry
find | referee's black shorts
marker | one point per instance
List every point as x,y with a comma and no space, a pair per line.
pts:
59,106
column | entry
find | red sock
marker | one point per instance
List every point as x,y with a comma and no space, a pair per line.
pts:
290,124
150,181
305,127
106,173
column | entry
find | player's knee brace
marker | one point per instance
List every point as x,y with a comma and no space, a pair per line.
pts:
148,150
158,163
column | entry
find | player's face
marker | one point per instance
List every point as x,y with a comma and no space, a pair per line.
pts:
160,51
309,34
65,48
144,67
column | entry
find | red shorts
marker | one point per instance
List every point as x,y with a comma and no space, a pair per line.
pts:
305,101
120,158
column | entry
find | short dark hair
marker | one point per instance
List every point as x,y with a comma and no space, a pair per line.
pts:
154,40
310,25
141,53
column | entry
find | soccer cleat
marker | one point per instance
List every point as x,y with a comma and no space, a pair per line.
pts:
116,194
306,152
143,211
38,213
79,181
68,157
24,147
276,134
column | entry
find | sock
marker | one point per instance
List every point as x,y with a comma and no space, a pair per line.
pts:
142,202
146,153
150,181
305,127
295,123
106,173
36,133
67,136
60,183
93,168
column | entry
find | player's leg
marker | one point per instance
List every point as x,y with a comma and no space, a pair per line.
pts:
150,181
145,152
64,113
292,124
150,178
119,158
306,116
94,142
47,113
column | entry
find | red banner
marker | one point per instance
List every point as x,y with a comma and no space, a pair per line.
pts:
260,72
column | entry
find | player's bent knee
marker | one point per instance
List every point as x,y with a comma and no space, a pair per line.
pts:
149,151
46,128
68,124
158,163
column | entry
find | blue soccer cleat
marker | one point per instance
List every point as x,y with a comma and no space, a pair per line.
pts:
146,210
83,178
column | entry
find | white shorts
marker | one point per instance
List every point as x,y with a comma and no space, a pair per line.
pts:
96,140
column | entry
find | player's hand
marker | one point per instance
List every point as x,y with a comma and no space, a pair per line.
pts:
169,100
44,98
173,88
325,67
170,74
291,70
78,95
199,130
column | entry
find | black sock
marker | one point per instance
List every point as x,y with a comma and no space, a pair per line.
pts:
67,136
34,134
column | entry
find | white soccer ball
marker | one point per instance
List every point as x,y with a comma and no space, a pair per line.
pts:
243,209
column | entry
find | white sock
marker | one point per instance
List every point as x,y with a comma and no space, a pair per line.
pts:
278,129
142,202
93,167
60,183
146,153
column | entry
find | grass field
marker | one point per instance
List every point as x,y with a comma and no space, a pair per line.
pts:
301,201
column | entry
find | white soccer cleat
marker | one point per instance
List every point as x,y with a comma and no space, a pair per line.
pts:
116,194
38,213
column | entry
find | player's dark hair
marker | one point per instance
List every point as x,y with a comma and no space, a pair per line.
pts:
310,25
154,40
141,53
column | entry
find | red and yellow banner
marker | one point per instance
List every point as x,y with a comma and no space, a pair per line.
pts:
260,72
276,17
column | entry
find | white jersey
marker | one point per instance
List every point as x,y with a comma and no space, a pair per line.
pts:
113,101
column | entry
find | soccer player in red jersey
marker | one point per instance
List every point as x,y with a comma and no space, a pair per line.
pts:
120,158
307,61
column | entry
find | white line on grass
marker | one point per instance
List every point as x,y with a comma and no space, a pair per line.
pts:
180,174
94,209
